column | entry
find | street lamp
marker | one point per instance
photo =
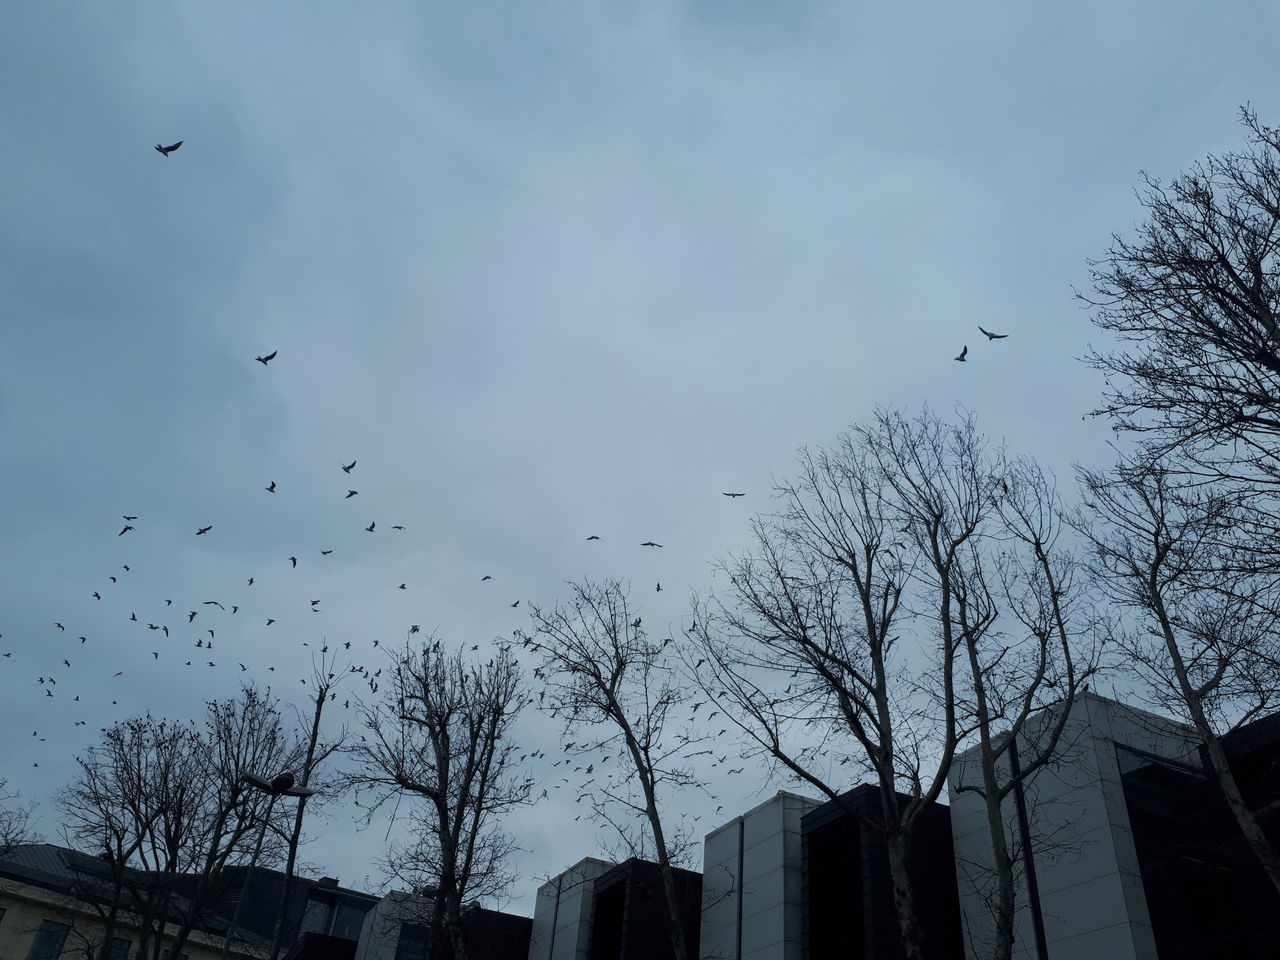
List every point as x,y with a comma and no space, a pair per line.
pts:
278,786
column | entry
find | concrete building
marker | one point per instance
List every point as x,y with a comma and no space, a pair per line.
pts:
1133,854
562,913
631,913
52,904
398,928
752,904
328,917
847,889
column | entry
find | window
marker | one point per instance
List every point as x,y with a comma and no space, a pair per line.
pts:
119,949
348,921
412,942
49,940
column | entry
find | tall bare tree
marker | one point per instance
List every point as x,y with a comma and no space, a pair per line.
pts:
613,688
1193,300
909,599
441,733
1203,634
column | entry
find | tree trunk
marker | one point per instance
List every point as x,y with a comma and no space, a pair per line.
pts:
1249,826
904,901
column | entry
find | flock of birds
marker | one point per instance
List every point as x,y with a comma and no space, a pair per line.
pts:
176,622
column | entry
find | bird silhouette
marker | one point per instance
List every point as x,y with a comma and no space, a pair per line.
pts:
350,494
402,586
191,615
486,577
270,621
650,543
294,561
325,553
129,518
372,524
203,530
734,494
993,336
658,589
272,488
348,467
165,151
963,353
397,526
413,628
593,537
516,604
268,358
127,528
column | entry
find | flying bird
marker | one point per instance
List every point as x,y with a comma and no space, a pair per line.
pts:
350,494
963,353
127,517
397,526
268,358
270,621
486,577
127,528
658,589
325,553
191,615
372,524
593,537
294,561
272,488
348,467
203,530
402,586
993,336
516,604
413,628
650,543
734,494
165,151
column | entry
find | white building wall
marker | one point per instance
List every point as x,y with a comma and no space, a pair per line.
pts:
562,914
770,883
380,932
1091,894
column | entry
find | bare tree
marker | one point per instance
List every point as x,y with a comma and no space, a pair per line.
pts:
162,804
1193,300
906,529
1204,628
612,687
15,820
442,734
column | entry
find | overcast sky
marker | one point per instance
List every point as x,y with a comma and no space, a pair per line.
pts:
546,270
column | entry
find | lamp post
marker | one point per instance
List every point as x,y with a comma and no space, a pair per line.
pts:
279,786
